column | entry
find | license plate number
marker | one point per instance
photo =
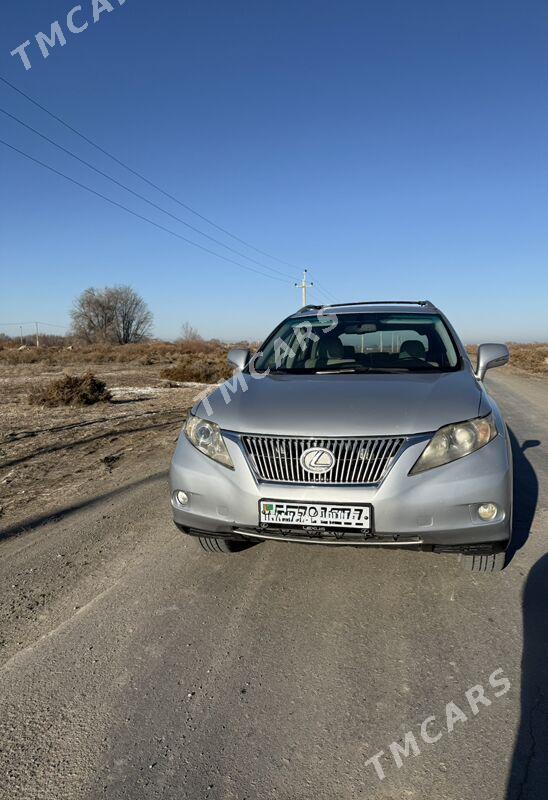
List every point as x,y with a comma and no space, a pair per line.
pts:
325,515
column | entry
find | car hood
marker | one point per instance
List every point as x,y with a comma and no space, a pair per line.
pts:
344,405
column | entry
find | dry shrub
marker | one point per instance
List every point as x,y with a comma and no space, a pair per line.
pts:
207,369
71,390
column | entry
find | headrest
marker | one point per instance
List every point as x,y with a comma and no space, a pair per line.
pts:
412,348
331,347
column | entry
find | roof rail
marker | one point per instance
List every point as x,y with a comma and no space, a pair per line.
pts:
309,308
381,303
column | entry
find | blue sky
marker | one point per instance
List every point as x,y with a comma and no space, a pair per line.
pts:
397,149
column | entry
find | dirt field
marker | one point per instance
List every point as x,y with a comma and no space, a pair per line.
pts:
53,457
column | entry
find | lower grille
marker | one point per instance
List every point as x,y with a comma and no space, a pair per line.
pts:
330,537
355,461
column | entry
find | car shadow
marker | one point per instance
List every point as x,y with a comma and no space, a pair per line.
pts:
528,776
525,491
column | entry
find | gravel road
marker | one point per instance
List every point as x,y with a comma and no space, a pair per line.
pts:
134,666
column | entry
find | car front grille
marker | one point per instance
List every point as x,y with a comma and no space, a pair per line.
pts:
356,461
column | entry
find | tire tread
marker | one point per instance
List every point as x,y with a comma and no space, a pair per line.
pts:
495,562
213,545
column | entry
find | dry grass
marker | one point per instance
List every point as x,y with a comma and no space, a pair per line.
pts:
528,357
146,353
202,369
191,360
70,390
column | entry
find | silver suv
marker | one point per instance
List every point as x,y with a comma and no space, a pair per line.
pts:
361,424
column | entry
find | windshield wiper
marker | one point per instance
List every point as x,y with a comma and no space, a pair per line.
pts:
364,370
289,371
340,370
358,370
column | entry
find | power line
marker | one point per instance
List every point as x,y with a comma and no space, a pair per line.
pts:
137,215
328,294
154,186
34,322
143,178
138,195
51,325
325,293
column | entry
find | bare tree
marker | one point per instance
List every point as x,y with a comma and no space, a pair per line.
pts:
92,316
132,319
114,314
189,333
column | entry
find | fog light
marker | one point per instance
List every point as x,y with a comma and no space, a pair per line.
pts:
182,498
487,511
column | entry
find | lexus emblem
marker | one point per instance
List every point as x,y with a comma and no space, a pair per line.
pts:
317,460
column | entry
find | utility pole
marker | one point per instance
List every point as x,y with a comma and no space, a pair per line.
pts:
303,286
21,332
37,338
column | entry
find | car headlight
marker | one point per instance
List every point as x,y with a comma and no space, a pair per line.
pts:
455,441
207,438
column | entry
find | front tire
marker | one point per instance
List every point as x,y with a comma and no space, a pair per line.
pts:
495,562
213,545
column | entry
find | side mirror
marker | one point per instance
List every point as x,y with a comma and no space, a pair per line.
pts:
489,356
238,358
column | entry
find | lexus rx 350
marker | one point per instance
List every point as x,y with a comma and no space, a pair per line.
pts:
362,424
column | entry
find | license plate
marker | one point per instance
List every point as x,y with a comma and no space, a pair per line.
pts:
324,515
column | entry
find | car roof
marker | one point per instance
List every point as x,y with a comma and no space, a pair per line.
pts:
371,307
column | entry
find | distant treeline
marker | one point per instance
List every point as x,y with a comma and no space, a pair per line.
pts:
29,340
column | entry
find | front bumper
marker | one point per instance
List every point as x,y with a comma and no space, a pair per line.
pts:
432,510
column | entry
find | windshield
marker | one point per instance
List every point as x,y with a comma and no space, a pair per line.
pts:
360,343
